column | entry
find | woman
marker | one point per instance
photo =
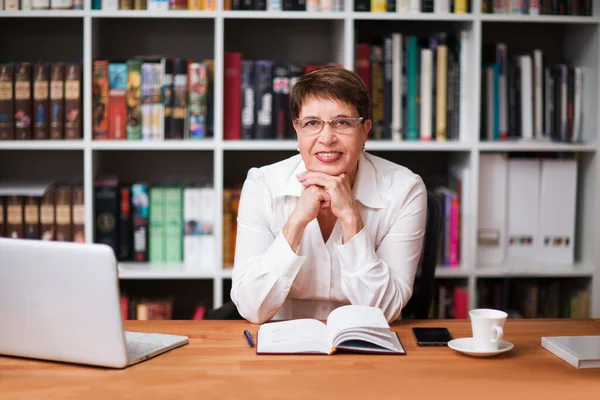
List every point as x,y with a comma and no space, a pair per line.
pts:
333,225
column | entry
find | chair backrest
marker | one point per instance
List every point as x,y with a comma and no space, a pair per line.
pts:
419,303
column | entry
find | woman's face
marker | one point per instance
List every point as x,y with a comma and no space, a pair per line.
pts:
331,152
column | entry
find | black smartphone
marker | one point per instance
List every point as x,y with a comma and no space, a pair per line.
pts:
432,336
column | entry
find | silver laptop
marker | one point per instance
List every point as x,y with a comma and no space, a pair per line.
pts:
60,301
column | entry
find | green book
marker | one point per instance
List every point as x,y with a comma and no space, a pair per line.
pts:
174,224
157,232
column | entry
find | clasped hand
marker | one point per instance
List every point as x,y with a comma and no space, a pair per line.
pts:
323,191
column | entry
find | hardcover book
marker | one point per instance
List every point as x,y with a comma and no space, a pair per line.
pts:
353,328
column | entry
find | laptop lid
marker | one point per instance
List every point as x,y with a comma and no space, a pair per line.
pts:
60,301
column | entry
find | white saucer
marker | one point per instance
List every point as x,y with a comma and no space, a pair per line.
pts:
465,345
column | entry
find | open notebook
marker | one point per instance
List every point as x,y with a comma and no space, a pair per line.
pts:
351,328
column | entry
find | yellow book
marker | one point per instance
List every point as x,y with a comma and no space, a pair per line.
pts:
379,5
460,6
195,5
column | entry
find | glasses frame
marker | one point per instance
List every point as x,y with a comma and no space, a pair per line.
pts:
358,120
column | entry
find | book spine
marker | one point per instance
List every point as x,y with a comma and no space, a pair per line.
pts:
173,224
146,101
281,99
7,127
63,214
117,105
232,96
57,102
264,99
78,214
140,214
247,98
100,100
23,101
134,99
125,228
41,100
106,213
14,217
31,217
156,229
158,108
377,91
179,117
73,101
48,215
197,93
167,96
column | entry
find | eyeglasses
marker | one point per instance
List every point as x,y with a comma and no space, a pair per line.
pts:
314,126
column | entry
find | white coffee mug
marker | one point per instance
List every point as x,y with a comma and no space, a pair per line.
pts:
488,328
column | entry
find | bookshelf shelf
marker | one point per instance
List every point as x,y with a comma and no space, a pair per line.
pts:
539,19
42,145
536,146
310,38
249,145
451,272
43,14
161,271
374,16
533,270
151,14
183,145
383,145
265,15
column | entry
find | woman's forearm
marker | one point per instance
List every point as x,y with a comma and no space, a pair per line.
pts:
292,231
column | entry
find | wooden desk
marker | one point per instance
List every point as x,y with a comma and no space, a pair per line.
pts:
218,364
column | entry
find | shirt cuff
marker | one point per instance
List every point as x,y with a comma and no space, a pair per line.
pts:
285,263
357,253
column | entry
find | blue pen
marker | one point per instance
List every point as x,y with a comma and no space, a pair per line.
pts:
249,338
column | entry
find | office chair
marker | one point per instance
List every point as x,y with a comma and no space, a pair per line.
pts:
418,305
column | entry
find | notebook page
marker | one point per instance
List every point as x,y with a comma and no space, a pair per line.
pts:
300,335
355,316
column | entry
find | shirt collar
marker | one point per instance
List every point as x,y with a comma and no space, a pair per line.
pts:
365,187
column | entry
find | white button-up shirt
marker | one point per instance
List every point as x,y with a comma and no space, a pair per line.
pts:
376,267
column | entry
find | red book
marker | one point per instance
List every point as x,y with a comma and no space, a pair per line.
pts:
232,98
461,303
363,64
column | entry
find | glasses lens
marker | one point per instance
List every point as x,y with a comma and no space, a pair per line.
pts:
310,126
344,125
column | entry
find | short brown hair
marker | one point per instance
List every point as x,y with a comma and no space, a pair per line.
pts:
334,83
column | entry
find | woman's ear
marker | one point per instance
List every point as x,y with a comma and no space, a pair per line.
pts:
367,125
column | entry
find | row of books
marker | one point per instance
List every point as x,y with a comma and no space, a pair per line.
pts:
155,223
56,215
415,85
14,5
534,298
145,308
40,100
539,7
285,5
154,5
414,6
149,98
527,208
522,97
450,301
450,198
256,97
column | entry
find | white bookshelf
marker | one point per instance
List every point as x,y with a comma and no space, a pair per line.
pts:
297,36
